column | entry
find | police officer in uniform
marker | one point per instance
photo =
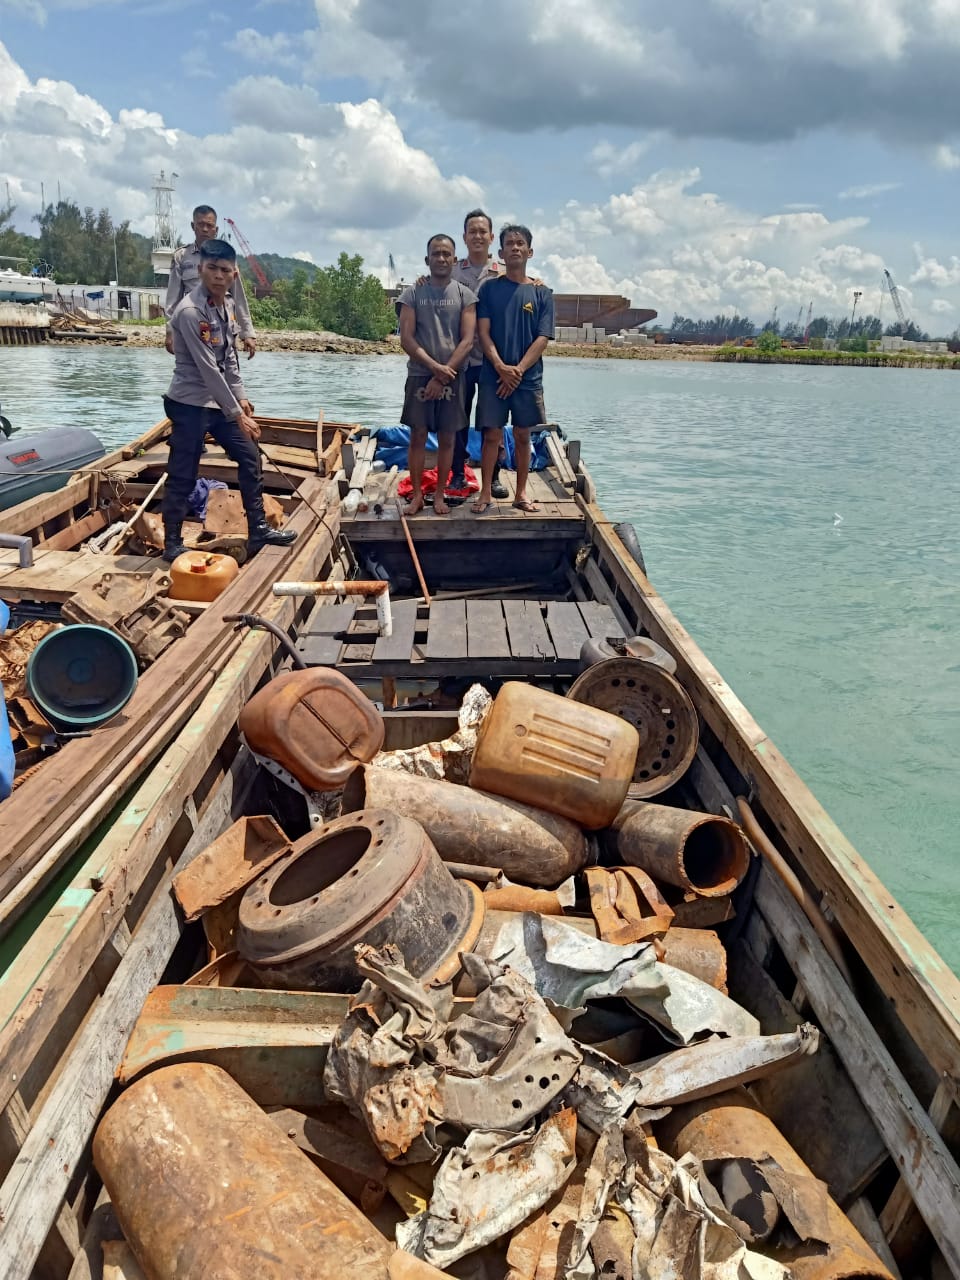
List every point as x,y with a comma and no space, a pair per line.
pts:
185,275
207,395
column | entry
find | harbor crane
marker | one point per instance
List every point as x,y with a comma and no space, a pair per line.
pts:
891,288
263,287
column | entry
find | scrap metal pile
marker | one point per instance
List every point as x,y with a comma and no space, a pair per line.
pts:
477,1024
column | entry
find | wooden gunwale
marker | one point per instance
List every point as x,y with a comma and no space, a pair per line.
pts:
34,989
924,990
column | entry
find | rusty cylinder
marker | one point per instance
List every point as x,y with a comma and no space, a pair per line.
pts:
470,826
371,877
205,1184
729,1126
699,852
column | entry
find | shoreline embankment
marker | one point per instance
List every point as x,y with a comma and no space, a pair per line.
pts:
298,340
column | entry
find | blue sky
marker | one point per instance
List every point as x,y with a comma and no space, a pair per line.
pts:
700,156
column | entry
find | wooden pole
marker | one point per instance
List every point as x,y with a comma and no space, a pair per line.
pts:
413,553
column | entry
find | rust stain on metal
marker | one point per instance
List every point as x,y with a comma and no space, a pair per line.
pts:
229,864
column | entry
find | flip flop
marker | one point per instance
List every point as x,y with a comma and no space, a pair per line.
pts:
480,508
525,504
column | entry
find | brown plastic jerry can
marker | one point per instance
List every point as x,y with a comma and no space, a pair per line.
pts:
316,724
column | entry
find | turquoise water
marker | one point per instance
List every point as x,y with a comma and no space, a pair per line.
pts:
840,636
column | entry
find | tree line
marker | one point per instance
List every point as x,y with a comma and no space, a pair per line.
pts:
722,328
87,246
78,245
341,299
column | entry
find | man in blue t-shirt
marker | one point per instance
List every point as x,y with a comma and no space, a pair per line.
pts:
515,321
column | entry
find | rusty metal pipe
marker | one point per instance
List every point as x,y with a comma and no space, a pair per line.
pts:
729,1126
205,1184
380,591
465,825
699,852
517,897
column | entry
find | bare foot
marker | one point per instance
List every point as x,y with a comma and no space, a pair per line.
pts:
524,503
480,504
414,505
440,508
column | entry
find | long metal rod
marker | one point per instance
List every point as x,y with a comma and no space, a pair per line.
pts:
761,841
321,515
413,553
380,591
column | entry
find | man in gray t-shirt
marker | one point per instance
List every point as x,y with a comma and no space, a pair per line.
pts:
437,328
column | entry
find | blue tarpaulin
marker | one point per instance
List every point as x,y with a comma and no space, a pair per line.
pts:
6,744
392,445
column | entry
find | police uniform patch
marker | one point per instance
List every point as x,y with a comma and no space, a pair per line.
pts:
205,331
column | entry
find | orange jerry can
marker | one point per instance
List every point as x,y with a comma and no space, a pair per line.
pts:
571,759
316,724
201,575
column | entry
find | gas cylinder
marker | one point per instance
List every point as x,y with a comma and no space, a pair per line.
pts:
201,575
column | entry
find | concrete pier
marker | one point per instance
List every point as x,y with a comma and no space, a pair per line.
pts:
23,324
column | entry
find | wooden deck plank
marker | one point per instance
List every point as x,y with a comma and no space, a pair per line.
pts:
400,644
567,628
527,630
486,630
600,620
321,641
447,634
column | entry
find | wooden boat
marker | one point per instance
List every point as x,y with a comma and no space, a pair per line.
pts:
60,802
816,935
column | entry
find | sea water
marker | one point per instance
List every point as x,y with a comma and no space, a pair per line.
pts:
803,524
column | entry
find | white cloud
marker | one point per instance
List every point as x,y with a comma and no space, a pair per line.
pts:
298,167
934,274
869,189
945,157
740,69
304,255
278,49
941,307
607,159
667,244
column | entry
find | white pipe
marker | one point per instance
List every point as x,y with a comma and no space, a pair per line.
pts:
380,591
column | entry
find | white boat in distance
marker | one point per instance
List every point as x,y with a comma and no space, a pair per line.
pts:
17,287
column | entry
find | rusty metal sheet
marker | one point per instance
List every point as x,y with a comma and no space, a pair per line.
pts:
274,1043
339,1145
714,1065
540,1248
489,1186
627,905
569,968
403,1063
15,649
232,862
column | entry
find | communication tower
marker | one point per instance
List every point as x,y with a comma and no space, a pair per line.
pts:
164,241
